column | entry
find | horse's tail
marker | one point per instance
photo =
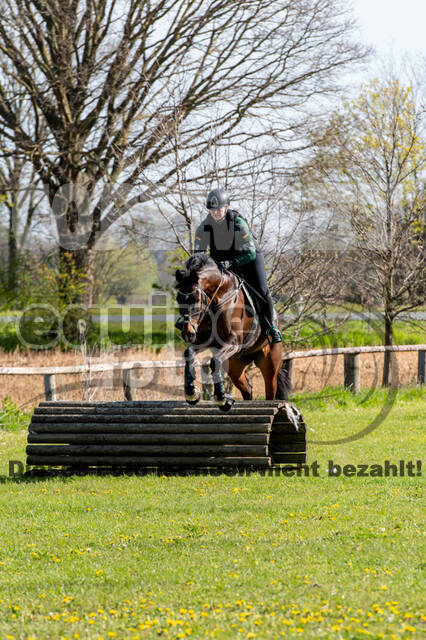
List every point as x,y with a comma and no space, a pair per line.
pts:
282,385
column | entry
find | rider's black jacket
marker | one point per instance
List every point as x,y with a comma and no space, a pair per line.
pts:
230,239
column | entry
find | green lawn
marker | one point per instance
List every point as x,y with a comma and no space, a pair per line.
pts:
128,331
225,557
354,333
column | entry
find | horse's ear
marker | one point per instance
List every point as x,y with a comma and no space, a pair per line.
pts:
179,275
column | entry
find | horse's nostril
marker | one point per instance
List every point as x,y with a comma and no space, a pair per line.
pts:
188,332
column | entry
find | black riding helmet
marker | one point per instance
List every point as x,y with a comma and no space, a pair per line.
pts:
217,199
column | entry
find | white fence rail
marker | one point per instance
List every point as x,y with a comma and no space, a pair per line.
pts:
352,367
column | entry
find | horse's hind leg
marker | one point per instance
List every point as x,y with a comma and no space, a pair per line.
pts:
239,378
269,378
269,364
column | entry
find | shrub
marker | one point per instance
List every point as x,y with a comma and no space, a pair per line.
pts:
11,417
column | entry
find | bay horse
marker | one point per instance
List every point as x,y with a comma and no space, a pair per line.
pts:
215,316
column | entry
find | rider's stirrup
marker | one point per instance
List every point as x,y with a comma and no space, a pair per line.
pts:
274,335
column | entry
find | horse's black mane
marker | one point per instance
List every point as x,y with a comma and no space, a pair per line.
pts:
192,267
197,261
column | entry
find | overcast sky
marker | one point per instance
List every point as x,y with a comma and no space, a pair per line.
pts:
400,24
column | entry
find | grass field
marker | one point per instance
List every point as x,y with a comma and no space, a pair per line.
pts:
225,557
355,333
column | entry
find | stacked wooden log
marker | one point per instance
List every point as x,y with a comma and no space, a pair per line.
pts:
166,435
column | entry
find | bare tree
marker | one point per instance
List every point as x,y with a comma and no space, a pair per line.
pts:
19,215
303,269
122,267
97,76
369,173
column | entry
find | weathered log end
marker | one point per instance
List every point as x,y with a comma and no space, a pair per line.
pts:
287,443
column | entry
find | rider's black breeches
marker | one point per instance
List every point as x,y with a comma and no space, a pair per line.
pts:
255,274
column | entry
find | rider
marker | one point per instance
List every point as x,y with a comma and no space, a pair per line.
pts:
233,246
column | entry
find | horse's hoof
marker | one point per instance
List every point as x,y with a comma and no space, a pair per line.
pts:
194,398
226,403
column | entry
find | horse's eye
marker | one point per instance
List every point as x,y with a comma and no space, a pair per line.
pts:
185,299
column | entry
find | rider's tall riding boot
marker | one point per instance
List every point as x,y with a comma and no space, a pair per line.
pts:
272,332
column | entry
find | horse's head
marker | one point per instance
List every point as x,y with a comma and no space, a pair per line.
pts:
195,287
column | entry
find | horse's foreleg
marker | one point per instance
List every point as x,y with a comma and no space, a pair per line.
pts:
219,387
223,399
192,393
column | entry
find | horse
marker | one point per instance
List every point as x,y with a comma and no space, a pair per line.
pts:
215,316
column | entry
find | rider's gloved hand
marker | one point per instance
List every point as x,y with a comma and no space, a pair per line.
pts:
225,264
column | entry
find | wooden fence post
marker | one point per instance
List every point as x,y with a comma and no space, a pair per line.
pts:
352,372
421,366
287,369
50,387
127,385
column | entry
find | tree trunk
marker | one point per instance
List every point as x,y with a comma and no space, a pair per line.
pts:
75,268
387,363
74,287
12,265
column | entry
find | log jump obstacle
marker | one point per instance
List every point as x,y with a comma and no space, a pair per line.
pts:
166,435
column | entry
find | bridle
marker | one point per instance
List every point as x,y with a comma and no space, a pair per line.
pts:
187,317
207,302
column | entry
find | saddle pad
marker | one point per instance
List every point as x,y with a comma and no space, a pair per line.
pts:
252,335
250,308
